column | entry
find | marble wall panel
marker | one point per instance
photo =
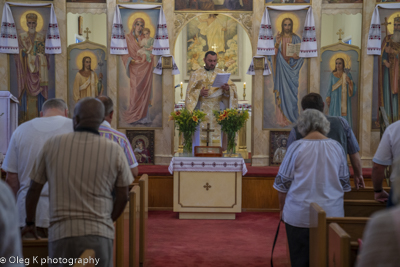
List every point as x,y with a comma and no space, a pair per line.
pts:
366,151
61,59
4,72
112,60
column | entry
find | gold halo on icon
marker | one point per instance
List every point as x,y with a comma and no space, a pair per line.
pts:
346,58
147,22
22,20
295,19
390,27
83,54
144,138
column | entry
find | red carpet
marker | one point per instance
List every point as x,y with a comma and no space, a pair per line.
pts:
246,241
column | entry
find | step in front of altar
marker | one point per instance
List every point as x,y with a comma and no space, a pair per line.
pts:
257,191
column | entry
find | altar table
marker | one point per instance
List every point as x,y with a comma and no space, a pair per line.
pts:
207,188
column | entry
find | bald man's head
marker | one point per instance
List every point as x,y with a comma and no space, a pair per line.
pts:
88,113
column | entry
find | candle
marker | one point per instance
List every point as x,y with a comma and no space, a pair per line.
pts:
244,85
181,90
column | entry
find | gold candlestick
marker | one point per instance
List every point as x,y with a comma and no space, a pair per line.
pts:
244,91
181,90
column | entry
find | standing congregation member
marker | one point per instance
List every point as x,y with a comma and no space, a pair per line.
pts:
10,245
381,238
340,131
25,145
112,134
388,150
314,170
82,169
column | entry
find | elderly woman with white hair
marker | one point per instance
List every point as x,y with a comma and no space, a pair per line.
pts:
314,170
381,238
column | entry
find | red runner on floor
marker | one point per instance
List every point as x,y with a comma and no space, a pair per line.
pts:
246,241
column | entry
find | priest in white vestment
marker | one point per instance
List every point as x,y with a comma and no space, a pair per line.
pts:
86,82
201,95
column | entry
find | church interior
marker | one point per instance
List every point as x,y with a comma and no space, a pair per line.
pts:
145,54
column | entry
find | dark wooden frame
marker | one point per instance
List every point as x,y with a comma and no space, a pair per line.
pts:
273,135
149,134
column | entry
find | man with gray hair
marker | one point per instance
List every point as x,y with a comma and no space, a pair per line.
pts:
25,145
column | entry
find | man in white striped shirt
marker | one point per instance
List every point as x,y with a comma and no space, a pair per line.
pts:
82,169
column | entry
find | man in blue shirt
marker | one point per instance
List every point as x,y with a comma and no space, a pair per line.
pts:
340,131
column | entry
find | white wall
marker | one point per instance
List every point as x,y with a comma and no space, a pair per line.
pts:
97,24
246,51
350,25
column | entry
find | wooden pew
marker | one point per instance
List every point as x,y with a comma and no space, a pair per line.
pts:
86,255
342,251
32,248
144,209
354,226
366,193
134,226
119,241
338,247
362,208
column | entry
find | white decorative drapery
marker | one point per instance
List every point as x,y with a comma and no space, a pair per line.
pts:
374,36
118,42
9,36
308,47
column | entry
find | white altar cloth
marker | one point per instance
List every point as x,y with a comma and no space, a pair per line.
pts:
205,164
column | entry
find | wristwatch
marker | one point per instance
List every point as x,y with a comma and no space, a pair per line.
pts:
29,223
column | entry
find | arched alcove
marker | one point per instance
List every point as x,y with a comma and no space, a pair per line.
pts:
192,40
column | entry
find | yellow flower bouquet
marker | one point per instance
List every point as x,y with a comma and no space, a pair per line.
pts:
186,122
231,121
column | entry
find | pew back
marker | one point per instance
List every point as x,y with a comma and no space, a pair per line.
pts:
339,246
144,209
319,223
362,208
134,223
86,257
32,248
366,193
119,240
317,236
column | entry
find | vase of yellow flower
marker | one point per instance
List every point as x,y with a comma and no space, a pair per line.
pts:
231,121
231,146
186,122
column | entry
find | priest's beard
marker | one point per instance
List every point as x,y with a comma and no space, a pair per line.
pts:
31,31
396,36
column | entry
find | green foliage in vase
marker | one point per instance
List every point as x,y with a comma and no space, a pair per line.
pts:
186,122
231,120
